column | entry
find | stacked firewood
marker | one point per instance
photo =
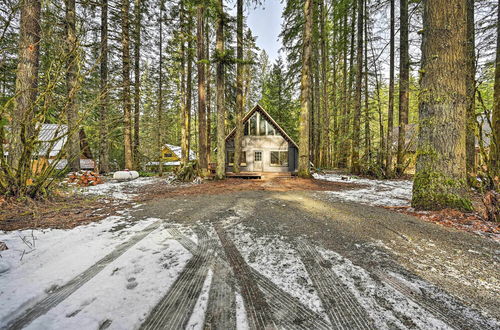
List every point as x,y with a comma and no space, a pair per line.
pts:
85,178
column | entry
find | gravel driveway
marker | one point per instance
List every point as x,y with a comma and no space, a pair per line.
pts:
266,260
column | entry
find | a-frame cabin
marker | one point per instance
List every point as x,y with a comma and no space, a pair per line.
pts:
266,147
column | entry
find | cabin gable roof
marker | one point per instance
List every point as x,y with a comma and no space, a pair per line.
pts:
270,119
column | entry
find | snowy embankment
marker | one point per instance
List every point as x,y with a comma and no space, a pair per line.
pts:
38,262
371,192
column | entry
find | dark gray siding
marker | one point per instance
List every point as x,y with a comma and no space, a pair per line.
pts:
293,158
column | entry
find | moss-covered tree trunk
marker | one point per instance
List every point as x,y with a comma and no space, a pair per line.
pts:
305,92
71,87
239,87
440,176
495,145
202,90
471,90
221,108
22,126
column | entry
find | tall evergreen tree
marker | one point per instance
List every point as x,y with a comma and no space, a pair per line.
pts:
221,107
71,87
495,145
104,92
404,84
127,111
202,89
390,112
440,176
305,92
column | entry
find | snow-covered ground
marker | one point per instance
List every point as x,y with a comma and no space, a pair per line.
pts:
371,192
125,290
121,190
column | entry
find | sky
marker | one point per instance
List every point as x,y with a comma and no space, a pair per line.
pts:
265,23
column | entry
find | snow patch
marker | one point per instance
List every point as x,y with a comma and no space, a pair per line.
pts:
125,291
120,190
41,260
373,192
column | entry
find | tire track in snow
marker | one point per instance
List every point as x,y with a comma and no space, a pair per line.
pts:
456,321
175,308
61,293
258,311
342,308
221,310
287,310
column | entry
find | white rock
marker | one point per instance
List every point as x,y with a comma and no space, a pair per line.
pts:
125,175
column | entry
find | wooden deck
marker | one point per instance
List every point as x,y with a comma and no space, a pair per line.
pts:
257,175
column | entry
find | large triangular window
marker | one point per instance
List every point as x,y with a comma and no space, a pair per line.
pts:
257,125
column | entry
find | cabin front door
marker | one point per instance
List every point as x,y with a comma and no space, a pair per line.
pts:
257,161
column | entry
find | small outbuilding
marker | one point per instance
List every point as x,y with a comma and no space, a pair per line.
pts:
266,147
171,156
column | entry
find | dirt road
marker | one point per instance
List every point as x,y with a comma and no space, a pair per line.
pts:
294,260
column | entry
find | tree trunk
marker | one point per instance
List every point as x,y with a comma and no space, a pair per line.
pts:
440,176
127,120
189,89
71,88
239,87
221,108
209,93
183,90
367,108
355,166
390,111
470,149
104,94
137,82
305,89
495,141
202,91
22,125
404,86
344,129
325,131
159,140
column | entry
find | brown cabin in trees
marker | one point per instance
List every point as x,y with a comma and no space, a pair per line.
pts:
266,147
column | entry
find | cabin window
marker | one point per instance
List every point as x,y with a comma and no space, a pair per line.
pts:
169,154
262,125
258,156
230,158
257,125
253,125
279,158
270,130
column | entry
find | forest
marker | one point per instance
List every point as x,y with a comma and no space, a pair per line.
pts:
384,89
